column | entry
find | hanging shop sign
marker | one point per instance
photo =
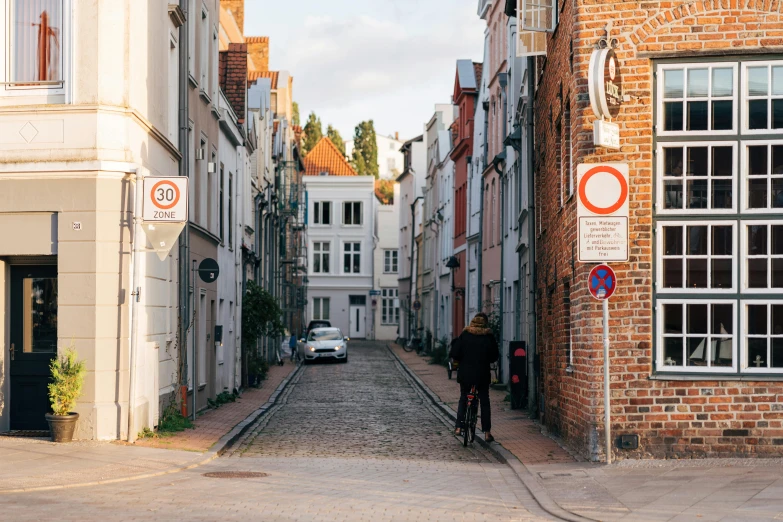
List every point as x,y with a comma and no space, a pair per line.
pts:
605,83
606,134
602,212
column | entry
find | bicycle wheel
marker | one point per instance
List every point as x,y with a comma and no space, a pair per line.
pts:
473,420
466,424
408,347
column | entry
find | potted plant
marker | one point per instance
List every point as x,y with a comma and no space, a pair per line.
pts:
65,388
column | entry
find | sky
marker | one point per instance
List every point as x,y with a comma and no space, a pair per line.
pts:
386,60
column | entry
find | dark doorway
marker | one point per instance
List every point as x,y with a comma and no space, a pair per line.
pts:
33,343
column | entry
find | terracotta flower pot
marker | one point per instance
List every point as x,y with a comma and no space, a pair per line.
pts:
62,427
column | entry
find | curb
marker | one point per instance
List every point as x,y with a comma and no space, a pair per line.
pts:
524,474
220,447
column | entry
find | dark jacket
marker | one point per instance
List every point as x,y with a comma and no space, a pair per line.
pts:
475,349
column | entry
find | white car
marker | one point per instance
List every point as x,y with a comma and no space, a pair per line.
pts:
325,343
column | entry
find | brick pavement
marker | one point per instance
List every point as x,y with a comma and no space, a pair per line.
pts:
512,428
213,424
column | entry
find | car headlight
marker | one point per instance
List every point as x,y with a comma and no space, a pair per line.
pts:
338,348
312,348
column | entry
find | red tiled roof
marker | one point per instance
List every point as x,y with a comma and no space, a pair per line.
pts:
326,158
256,39
255,75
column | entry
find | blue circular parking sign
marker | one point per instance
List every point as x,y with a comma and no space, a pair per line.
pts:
602,282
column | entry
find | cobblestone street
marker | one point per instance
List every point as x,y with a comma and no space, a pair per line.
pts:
349,441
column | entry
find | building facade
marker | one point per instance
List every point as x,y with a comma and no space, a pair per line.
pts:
696,335
385,301
390,160
341,215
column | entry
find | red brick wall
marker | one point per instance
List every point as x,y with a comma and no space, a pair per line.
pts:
673,418
232,75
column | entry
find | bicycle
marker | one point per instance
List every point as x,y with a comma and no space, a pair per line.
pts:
471,417
412,344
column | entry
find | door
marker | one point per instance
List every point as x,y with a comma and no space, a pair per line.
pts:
358,312
33,343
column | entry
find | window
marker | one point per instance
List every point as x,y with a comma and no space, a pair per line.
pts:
321,308
213,69
389,261
698,335
568,168
173,90
391,164
352,258
230,210
321,257
763,256
763,183
192,14
33,61
204,50
220,204
697,177
323,213
718,226
211,207
697,98
763,327
763,91
390,306
352,213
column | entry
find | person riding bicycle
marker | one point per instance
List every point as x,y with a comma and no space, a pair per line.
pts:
475,349
292,346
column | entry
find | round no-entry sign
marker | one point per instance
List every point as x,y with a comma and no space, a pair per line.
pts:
602,282
603,190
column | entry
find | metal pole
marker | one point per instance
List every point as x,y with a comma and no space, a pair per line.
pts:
194,366
607,410
134,303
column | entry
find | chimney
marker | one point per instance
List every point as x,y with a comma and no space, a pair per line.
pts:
258,49
397,136
232,75
237,9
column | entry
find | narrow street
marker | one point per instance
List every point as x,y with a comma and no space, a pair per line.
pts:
351,441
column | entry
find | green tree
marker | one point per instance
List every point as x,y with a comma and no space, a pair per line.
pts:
365,149
334,135
295,116
313,132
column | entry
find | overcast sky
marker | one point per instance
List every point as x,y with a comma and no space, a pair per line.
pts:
352,60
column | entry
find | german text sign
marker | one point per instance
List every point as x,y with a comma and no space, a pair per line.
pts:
602,211
165,199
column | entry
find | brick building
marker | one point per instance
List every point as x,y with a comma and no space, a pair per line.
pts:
697,320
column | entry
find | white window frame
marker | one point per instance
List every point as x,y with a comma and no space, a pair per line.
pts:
388,296
769,176
353,213
660,336
746,367
685,98
318,308
204,51
391,257
192,12
213,68
318,213
320,252
352,253
173,87
746,97
744,272
40,94
659,257
660,178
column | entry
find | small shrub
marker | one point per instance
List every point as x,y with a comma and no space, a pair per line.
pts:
67,379
440,353
172,422
147,433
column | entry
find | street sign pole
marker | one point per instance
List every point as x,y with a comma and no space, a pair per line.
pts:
607,405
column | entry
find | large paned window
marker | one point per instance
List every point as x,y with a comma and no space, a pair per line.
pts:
34,43
352,213
352,258
321,308
390,306
390,261
323,213
718,226
321,257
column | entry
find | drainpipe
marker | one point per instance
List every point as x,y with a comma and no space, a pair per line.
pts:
532,401
469,206
134,307
502,251
413,242
184,238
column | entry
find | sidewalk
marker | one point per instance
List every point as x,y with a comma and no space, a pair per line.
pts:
213,424
28,464
643,490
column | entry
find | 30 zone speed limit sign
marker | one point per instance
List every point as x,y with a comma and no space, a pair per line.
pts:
166,199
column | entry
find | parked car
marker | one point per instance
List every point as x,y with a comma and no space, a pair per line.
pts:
317,324
325,343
